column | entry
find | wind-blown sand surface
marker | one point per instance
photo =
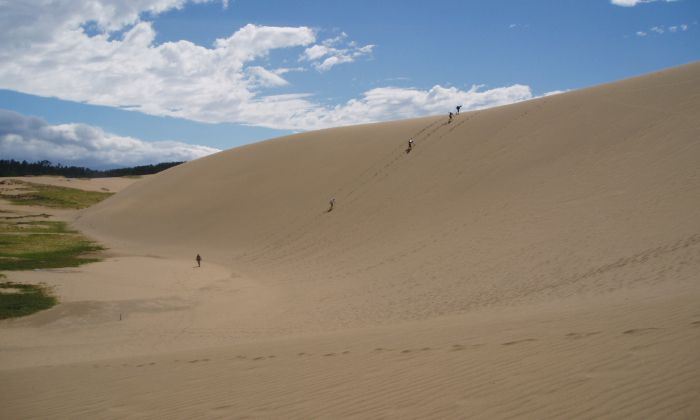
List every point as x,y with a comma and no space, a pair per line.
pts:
537,260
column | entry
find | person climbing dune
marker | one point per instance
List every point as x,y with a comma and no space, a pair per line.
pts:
332,204
450,118
199,260
458,108
410,146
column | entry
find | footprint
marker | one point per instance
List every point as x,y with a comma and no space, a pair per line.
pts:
576,335
637,331
696,323
379,349
346,352
193,361
525,340
425,349
329,354
457,347
406,351
259,358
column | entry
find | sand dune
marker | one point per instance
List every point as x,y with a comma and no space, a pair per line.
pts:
537,260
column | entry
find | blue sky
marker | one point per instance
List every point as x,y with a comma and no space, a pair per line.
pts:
108,83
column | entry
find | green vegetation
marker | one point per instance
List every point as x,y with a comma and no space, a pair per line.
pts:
27,245
29,242
51,196
34,226
17,299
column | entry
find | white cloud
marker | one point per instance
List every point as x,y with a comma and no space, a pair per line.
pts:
39,20
30,138
329,62
334,52
661,29
266,78
676,28
315,52
555,92
120,65
393,103
632,3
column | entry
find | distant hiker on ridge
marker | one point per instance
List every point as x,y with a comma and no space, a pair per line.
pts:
199,260
332,203
458,108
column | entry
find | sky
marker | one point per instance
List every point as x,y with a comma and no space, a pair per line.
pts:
115,83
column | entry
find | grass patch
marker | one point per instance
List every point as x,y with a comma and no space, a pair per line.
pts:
43,244
56,197
34,226
17,299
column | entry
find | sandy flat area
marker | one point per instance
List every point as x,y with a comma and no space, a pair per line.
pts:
538,260
114,184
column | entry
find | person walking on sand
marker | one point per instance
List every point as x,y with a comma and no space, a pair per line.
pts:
199,260
332,203
458,108
410,146
450,118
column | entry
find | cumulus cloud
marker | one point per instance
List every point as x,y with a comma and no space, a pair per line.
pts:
30,138
393,103
263,77
56,16
334,51
632,3
119,64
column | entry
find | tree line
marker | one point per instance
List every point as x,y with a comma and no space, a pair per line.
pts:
44,167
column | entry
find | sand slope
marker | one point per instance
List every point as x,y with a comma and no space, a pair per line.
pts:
537,260
555,197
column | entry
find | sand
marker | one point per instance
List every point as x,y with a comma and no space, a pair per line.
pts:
538,260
